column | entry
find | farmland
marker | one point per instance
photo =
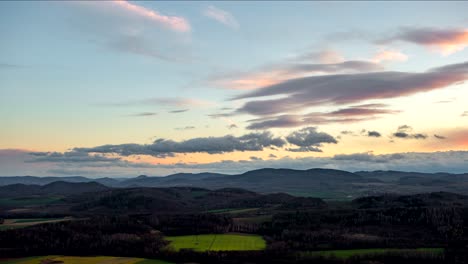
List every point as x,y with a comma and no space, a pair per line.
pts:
217,242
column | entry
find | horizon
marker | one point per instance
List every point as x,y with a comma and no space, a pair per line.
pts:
121,88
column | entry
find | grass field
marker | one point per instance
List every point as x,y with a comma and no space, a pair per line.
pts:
217,242
347,253
20,223
84,260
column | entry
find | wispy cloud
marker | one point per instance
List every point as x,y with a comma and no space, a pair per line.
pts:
444,41
133,28
166,101
178,111
176,23
338,89
344,115
221,16
389,55
145,114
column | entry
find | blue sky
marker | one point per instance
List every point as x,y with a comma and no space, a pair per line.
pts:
80,75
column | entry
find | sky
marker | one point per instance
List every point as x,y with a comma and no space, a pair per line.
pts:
123,88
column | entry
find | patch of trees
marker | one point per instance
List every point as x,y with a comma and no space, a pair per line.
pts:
123,236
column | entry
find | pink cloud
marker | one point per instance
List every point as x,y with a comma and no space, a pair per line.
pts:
389,55
221,16
173,22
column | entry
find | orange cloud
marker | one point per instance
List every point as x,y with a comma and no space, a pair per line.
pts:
389,55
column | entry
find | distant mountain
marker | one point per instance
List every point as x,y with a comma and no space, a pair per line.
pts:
183,199
54,188
323,183
436,199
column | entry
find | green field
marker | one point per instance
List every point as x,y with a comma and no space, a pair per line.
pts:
217,242
347,253
84,260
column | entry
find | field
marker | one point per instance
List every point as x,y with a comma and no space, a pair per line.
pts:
20,223
347,253
217,242
84,260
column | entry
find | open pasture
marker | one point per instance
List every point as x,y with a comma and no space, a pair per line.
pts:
217,242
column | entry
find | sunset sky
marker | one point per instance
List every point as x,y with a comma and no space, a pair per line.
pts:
123,88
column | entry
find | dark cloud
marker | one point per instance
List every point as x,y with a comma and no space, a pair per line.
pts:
272,156
404,132
446,40
309,139
71,156
185,128
439,136
145,114
373,134
255,158
212,145
301,93
344,115
178,111
232,126
366,157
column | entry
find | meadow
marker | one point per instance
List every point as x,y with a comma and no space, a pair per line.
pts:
83,260
217,242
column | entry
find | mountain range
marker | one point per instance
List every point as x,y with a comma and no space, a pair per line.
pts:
323,183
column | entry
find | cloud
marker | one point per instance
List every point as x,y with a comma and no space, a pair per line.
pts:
337,89
464,113
145,114
344,115
165,101
449,161
12,162
272,156
172,22
326,56
71,156
367,157
404,132
373,134
221,16
277,73
126,27
439,136
185,128
444,41
389,55
212,145
309,139
178,111
232,126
